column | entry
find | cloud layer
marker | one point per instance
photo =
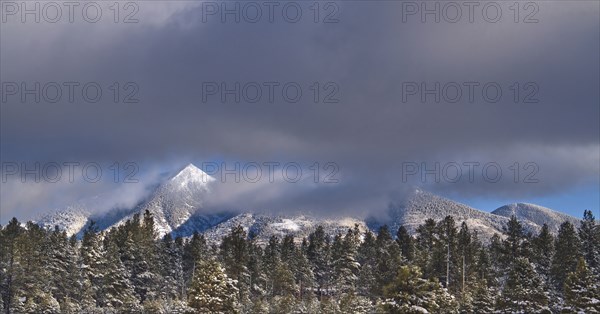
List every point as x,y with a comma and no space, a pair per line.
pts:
172,56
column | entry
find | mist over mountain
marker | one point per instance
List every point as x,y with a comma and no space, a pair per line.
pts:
178,206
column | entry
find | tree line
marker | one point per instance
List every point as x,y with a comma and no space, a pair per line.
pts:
443,268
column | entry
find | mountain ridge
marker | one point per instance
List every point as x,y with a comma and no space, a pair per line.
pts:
177,207
535,213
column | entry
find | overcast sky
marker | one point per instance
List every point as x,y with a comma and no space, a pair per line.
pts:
371,117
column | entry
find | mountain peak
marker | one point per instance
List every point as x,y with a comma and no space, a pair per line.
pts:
188,168
190,174
535,214
521,208
178,199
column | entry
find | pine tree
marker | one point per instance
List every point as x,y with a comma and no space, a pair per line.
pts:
445,259
543,251
9,282
128,270
582,291
284,283
33,253
86,299
468,245
282,304
304,274
310,304
148,279
140,256
567,254
179,271
212,291
318,253
287,251
590,244
482,298
410,293
258,280
117,290
328,306
171,268
356,304
280,279
345,266
426,241
514,242
484,266
285,280
270,263
496,253
406,243
523,292
259,306
233,252
387,259
366,257
194,250
62,264
71,304
91,267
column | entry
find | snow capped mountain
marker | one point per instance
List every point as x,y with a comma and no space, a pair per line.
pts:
420,205
177,207
190,178
537,215
264,226
178,200
71,219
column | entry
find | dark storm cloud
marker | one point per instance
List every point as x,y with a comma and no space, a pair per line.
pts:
370,133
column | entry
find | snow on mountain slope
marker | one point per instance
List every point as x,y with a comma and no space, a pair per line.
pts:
71,219
177,200
419,206
536,215
263,226
200,222
176,205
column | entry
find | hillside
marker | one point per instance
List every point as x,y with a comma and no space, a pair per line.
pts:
177,207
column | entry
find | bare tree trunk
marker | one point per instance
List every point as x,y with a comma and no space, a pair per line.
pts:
448,266
463,274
